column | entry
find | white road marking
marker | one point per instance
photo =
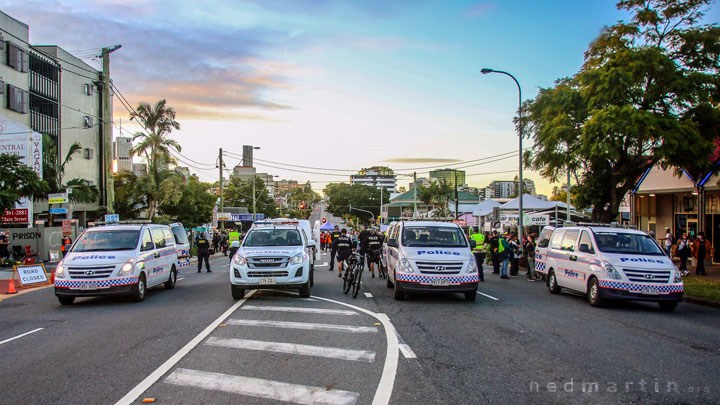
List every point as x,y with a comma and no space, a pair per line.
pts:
225,265
489,296
407,351
387,380
21,335
368,295
304,350
300,310
181,279
131,396
256,387
323,264
303,325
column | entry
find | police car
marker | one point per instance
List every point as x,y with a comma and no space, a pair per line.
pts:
272,255
607,263
429,256
117,260
182,244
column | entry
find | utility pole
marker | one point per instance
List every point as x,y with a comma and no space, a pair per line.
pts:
414,194
457,199
381,200
107,129
222,202
253,198
568,196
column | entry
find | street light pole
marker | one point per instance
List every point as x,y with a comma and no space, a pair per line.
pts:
520,137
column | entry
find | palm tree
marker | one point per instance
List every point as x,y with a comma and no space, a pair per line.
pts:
155,145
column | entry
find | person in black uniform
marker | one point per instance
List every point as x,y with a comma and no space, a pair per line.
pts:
203,246
494,255
344,247
334,235
373,246
362,241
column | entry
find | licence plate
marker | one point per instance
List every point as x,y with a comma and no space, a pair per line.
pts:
440,283
267,281
88,286
650,291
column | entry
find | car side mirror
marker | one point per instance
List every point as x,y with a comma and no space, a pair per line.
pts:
148,246
585,248
473,244
392,242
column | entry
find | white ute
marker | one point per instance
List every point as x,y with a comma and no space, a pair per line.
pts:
609,263
117,260
272,255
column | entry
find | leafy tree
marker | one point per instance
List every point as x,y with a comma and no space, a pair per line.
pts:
54,173
646,94
156,146
129,202
16,181
196,204
343,195
239,193
437,194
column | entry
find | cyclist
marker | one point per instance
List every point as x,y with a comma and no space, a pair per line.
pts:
373,246
344,246
334,235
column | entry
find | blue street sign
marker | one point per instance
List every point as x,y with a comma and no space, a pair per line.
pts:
112,218
246,217
58,210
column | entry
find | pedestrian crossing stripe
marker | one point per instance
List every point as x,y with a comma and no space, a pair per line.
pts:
100,283
415,278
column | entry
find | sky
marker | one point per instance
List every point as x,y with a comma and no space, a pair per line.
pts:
332,84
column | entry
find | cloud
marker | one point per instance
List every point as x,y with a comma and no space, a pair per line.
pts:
203,72
421,160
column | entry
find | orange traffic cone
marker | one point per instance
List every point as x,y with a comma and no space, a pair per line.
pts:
11,287
52,277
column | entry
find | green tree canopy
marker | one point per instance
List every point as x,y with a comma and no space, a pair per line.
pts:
343,195
16,181
239,193
195,206
647,93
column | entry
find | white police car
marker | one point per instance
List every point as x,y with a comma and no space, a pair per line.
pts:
117,260
430,256
272,255
182,244
610,263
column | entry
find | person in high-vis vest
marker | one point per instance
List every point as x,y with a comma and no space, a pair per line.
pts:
234,236
479,251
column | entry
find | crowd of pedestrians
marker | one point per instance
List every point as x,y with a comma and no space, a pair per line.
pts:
505,253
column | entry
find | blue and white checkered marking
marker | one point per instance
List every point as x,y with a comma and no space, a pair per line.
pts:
100,283
416,278
540,265
638,287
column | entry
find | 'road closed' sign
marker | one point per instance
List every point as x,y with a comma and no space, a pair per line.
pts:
32,274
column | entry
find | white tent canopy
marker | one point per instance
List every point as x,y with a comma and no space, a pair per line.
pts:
485,208
531,203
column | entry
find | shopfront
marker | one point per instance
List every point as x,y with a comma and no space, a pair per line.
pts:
712,221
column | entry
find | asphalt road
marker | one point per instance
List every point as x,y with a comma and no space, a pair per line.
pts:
510,346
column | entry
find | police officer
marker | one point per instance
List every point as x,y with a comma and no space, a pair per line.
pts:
494,252
344,247
334,235
203,246
373,246
479,251
65,244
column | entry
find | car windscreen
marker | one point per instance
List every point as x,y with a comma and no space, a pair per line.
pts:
627,243
180,235
433,236
273,237
106,241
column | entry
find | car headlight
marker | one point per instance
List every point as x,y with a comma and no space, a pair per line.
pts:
127,268
472,267
678,275
239,260
60,271
610,271
405,265
299,258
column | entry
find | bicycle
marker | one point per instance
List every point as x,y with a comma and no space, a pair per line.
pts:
382,268
353,274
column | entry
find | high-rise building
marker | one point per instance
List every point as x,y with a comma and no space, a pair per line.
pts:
247,157
376,176
528,186
123,153
449,176
502,189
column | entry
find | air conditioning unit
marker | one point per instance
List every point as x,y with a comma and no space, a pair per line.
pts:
89,89
88,121
88,152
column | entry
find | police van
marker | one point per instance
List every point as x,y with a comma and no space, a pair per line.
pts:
273,254
182,244
429,256
117,260
609,263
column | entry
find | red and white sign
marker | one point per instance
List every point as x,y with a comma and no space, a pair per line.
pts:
15,216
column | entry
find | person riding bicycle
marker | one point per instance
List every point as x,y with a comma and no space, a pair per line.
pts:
344,246
373,249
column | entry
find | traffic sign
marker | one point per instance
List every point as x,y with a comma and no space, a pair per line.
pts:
32,274
57,198
112,218
58,210
495,224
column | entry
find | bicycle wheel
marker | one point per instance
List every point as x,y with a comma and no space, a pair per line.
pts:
356,282
347,279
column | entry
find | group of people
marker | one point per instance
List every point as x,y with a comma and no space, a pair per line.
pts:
367,242
699,249
506,253
218,241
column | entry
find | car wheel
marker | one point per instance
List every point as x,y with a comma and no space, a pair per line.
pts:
552,284
65,300
305,290
399,294
593,293
470,295
140,289
312,276
170,284
668,306
237,292
388,283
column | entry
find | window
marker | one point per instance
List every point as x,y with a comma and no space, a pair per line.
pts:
159,238
17,99
585,240
88,89
555,242
569,240
88,121
106,241
17,58
544,238
433,236
180,235
273,237
2,87
147,243
627,243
